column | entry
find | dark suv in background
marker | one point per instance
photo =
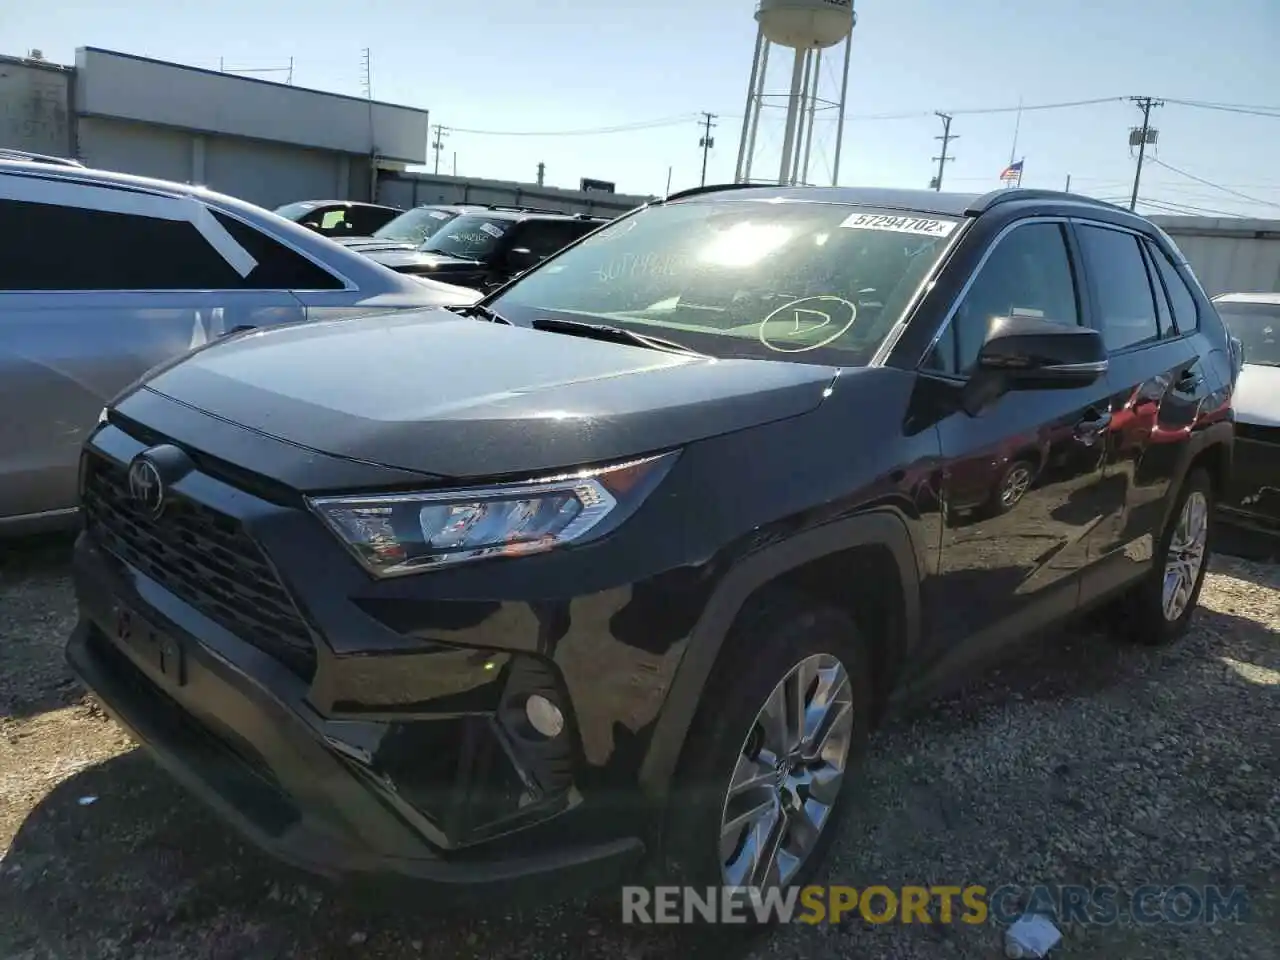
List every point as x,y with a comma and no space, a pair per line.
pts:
483,249
629,558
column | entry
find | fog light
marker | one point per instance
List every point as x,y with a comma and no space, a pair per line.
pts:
544,716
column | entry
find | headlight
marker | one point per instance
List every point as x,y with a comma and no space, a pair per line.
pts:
395,534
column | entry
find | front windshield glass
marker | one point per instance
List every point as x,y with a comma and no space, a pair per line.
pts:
806,282
292,211
468,237
414,226
1257,326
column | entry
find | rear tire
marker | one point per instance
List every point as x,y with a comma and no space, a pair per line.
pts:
1159,609
758,773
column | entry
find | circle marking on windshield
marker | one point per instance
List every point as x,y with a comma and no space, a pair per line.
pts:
804,317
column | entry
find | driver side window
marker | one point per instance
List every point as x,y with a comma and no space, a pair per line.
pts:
1028,274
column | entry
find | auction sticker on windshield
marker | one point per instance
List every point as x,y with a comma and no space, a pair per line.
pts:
491,230
924,226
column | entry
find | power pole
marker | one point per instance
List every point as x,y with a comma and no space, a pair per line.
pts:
946,139
1140,137
438,144
542,173
707,142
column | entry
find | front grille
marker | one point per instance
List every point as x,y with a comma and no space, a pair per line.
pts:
205,558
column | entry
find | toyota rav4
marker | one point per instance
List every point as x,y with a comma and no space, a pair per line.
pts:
624,562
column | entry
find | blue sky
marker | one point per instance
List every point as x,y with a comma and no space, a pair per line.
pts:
568,65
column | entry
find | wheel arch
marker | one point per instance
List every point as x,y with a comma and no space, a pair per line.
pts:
810,562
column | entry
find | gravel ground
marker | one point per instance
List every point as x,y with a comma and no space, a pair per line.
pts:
1079,761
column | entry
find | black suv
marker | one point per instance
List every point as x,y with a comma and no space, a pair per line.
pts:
628,559
483,249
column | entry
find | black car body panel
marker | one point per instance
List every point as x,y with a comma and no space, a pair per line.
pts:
538,402
375,714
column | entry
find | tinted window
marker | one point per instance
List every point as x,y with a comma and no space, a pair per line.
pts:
1125,305
279,268
1028,274
365,220
50,247
805,282
332,218
1186,316
545,237
1164,312
294,211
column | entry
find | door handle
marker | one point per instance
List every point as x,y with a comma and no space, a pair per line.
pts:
1094,423
1188,381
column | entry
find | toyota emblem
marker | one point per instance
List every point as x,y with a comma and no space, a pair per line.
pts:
146,485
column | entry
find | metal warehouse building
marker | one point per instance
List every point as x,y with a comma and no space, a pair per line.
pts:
1231,254
269,143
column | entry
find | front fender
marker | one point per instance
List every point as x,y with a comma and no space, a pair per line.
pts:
880,527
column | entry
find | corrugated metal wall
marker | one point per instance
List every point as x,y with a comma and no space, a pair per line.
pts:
1229,255
407,190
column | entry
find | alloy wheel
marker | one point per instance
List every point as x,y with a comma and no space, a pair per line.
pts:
1185,556
1016,484
788,775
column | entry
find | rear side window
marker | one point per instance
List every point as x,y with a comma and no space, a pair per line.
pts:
279,268
1126,306
1186,315
51,247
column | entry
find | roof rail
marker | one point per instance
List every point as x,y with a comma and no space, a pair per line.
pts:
708,188
515,208
25,156
1009,195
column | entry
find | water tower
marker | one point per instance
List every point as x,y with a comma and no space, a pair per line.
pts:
808,27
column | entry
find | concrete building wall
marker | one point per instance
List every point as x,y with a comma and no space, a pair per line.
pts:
412,189
35,110
126,87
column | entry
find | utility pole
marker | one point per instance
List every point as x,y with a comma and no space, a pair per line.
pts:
438,144
1140,137
707,141
946,139
1067,188
542,173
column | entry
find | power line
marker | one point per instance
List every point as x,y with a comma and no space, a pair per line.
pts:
591,132
1215,186
1249,109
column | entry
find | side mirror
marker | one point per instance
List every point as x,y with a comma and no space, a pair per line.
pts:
1030,353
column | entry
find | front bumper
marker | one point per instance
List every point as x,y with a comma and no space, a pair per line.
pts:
245,741
1253,497
349,726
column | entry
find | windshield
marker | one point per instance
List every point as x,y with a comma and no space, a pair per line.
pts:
469,237
806,282
414,226
1257,326
292,211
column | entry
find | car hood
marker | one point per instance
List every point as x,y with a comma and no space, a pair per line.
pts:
416,260
372,243
440,394
1257,395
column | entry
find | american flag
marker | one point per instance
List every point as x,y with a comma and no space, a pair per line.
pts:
1012,172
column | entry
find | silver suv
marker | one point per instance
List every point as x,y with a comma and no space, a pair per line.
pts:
104,276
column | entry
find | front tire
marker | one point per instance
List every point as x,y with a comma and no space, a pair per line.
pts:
1159,610
764,776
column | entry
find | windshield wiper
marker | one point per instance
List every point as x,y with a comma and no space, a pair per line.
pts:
602,331
480,310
